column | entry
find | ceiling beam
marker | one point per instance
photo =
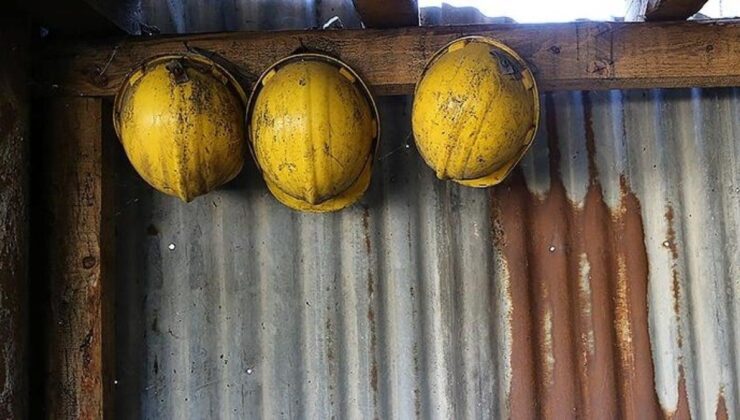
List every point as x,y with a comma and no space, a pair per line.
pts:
388,13
579,55
662,10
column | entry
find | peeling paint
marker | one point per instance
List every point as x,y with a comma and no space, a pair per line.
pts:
584,294
546,349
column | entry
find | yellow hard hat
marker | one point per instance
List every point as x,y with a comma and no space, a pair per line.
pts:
180,119
313,129
475,111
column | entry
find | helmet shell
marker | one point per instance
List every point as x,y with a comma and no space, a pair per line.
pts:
313,129
475,111
179,119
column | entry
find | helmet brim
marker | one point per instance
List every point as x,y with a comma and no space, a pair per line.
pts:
347,198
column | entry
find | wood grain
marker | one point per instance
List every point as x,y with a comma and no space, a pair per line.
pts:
14,124
79,233
582,55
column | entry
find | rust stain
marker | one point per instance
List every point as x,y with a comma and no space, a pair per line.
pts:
670,243
417,392
366,230
721,412
511,232
671,240
682,410
591,332
371,313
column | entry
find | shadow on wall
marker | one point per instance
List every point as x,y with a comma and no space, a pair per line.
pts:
180,16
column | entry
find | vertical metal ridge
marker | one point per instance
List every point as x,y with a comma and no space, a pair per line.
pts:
219,309
416,248
574,160
456,367
645,134
705,376
383,368
398,316
247,297
728,133
432,244
472,236
501,319
731,163
371,231
717,131
354,366
307,279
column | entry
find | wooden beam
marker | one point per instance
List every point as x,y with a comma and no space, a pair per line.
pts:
388,13
79,283
14,127
657,10
582,55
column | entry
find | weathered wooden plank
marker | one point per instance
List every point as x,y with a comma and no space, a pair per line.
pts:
388,13
80,232
581,55
14,103
654,10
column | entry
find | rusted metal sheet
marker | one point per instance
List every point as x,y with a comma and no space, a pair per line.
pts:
13,216
580,294
601,279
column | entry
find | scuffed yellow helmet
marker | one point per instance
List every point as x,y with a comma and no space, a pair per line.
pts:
180,119
313,129
475,111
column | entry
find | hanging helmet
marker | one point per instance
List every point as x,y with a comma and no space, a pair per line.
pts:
180,120
313,128
475,112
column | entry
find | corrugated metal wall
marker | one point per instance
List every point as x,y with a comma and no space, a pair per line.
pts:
601,280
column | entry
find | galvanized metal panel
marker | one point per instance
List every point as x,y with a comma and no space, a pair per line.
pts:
403,306
178,16
601,279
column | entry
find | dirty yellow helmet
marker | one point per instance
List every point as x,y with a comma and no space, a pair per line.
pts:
180,119
313,128
475,111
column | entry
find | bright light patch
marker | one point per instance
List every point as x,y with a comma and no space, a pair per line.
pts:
721,9
534,11
529,11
